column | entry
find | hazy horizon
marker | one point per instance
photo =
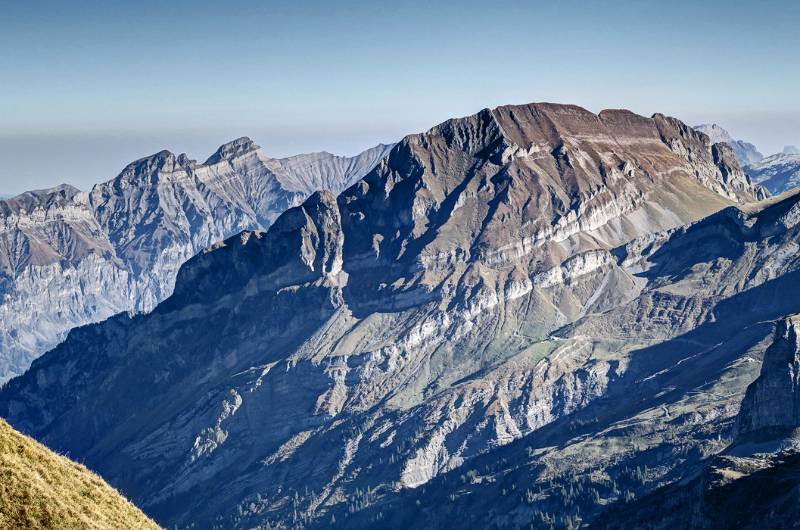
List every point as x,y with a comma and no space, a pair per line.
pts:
90,88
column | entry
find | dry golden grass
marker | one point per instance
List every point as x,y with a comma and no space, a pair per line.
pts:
40,489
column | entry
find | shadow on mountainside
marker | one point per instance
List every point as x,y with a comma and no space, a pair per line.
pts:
766,498
657,377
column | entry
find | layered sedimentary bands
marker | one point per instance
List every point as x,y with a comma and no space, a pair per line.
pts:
525,317
68,258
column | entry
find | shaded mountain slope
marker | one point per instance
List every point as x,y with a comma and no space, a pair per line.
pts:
734,492
679,353
753,483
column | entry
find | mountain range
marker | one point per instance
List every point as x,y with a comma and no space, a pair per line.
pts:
746,153
68,258
778,173
528,317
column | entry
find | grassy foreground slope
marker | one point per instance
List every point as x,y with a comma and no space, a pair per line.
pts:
40,489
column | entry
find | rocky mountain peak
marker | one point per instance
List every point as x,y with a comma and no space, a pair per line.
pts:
551,165
322,170
184,160
746,153
69,258
322,236
539,129
152,167
778,173
772,403
715,132
233,149
60,195
304,244
733,176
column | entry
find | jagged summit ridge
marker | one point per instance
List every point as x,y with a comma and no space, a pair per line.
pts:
322,170
233,149
70,257
40,200
303,245
541,172
546,128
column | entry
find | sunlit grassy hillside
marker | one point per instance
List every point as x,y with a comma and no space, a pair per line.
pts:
40,489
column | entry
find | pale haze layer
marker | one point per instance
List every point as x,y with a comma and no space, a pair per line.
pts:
87,87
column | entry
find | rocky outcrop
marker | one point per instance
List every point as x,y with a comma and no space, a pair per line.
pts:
68,258
432,315
752,482
777,173
693,144
772,403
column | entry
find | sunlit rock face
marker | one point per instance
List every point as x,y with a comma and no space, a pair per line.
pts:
69,258
488,281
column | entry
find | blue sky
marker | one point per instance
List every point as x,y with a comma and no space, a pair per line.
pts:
86,87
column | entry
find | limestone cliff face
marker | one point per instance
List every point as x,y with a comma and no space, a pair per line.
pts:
68,258
367,345
57,269
772,403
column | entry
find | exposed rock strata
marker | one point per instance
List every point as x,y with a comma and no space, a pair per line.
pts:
753,482
68,258
484,283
